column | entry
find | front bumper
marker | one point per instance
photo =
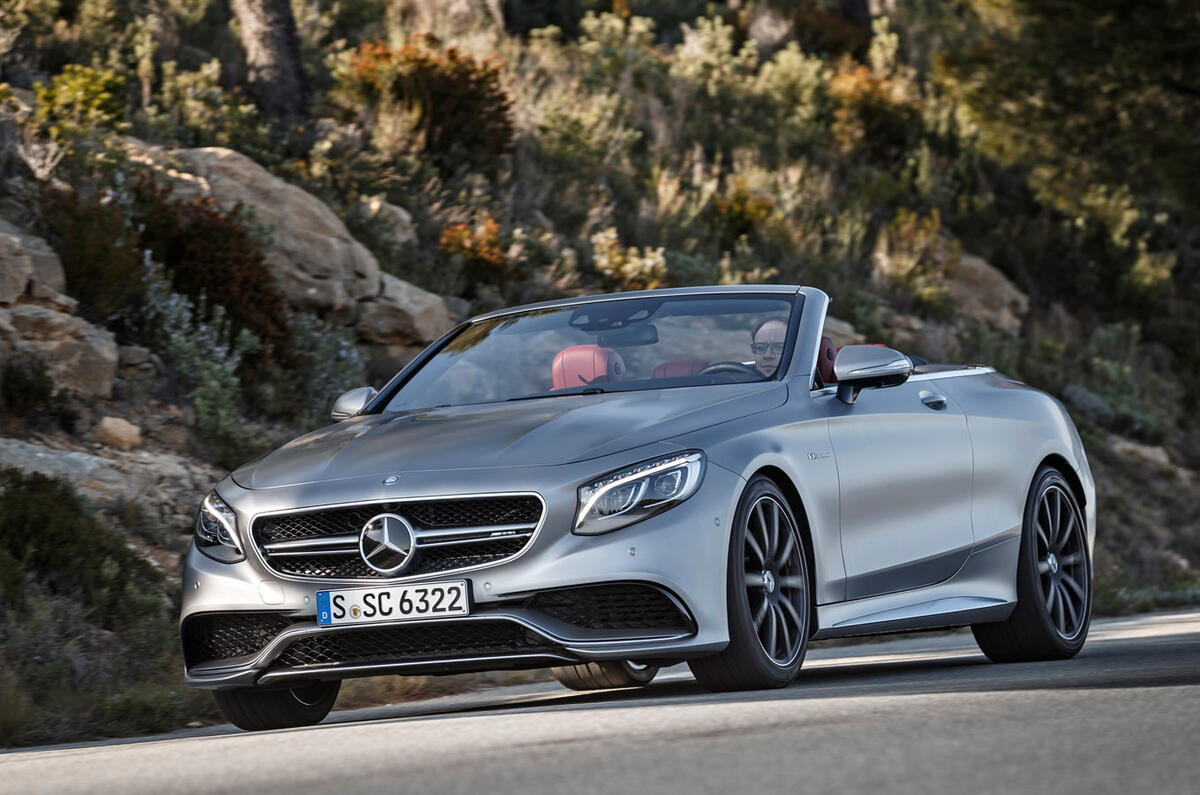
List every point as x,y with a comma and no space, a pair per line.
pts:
682,553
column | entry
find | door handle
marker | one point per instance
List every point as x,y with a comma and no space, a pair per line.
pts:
934,401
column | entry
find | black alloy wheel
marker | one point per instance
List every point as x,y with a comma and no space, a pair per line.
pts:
255,709
769,601
1054,580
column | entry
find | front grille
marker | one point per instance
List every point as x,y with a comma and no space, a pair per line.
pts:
450,534
615,606
411,643
219,636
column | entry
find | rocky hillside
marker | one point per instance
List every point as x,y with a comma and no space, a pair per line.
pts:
194,260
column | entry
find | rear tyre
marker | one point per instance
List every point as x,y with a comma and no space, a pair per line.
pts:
258,710
605,675
767,595
1054,580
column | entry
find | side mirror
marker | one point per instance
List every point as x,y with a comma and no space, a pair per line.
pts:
860,367
350,403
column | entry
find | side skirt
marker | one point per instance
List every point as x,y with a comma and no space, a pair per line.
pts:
984,589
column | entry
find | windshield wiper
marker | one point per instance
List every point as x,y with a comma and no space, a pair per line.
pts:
587,390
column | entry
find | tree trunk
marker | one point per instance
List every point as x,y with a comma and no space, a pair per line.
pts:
273,69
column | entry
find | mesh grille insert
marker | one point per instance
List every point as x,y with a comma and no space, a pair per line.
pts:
616,606
423,514
219,636
401,644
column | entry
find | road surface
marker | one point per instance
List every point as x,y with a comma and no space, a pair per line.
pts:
925,713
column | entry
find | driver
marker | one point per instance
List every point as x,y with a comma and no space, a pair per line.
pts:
767,345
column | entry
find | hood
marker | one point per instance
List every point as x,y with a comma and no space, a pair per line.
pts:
537,432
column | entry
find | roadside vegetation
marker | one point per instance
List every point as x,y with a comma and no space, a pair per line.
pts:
587,146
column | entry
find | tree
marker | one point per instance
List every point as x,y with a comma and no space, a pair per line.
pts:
273,68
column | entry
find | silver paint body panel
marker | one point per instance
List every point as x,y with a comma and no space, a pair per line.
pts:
913,513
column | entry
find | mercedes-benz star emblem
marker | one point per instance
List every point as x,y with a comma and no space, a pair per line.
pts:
386,543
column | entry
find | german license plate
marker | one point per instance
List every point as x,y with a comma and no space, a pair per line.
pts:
397,603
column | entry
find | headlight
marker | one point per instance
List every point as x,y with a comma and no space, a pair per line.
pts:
216,530
643,490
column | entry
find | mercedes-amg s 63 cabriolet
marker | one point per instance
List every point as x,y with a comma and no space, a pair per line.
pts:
609,484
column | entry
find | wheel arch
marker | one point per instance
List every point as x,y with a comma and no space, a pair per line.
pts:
796,503
1072,477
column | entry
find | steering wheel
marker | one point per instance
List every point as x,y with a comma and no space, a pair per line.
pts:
717,368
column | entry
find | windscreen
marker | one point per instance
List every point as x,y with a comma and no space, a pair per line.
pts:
607,346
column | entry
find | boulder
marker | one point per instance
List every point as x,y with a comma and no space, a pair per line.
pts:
403,313
980,291
80,357
29,268
318,264
396,219
118,433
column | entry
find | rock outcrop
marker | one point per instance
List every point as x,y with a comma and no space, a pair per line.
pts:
165,484
980,291
403,313
397,220
35,318
28,266
316,262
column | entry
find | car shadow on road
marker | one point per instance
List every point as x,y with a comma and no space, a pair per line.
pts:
1117,665
1162,661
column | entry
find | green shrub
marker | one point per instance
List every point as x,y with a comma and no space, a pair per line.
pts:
741,213
81,101
627,268
99,251
46,526
27,393
321,362
476,252
192,109
719,110
204,354
214,258
440,101
586,157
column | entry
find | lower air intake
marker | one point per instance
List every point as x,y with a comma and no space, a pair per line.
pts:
220,636
617,606
409,643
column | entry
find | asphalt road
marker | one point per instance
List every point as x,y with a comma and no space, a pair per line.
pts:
921,714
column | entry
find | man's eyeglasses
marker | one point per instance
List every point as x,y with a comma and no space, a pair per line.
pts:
762,347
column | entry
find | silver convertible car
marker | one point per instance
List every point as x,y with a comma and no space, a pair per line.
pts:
611,484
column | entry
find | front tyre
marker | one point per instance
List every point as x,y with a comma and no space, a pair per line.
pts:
1054,580
254,710
604,675
767,596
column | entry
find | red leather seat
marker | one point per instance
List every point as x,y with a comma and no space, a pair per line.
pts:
680,368
581,365
825,357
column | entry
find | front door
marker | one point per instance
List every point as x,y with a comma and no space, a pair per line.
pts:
904,474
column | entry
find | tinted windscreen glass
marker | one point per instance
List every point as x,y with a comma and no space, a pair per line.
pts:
649,343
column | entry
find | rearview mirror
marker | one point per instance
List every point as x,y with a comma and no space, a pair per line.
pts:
859,367
350,403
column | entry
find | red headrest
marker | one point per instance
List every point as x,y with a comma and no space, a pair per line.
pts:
680,368
581,365
825,356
